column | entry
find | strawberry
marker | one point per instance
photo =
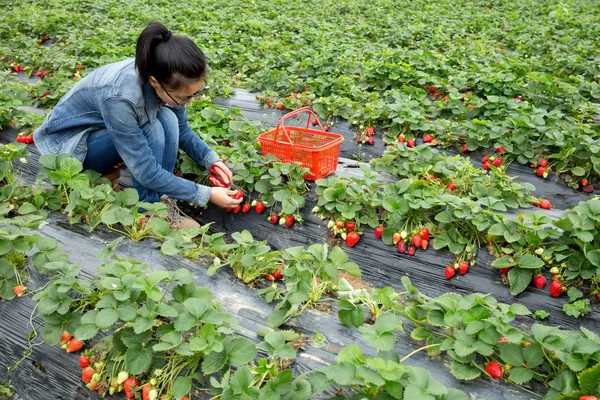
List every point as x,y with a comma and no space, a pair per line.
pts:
371,141
500,150
260,207
543,163
504,271
237,209
279,107
437,94
270,277
378,231
289,220
277,274
416,239
401,247
485,159
39,74
16,68
74,345
464,148
411,250
450,271
486,166
451,186
19,290
352,238
463,267
540,171
424,232
497,162
545,204
539,281
130,384
246,208
427,138
229,210
339,224
86,374
410,143
503,339
65,337
84,361
517,97
401,138
238,195
370,131
556,289
494,370
584,182
350,226
274,218
145,391
588,189
588,398
424,244
396,238
432,89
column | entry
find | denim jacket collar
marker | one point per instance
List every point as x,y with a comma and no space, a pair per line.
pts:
151,104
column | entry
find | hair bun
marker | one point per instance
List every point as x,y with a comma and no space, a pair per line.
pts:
166,36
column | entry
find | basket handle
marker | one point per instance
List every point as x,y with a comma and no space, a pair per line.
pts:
281,126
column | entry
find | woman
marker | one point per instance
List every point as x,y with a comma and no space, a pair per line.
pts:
133,112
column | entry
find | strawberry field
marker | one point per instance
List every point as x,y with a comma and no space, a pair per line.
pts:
454,254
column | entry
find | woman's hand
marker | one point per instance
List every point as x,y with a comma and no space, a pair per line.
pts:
223,172
223,197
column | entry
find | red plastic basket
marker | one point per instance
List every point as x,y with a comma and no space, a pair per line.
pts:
315,149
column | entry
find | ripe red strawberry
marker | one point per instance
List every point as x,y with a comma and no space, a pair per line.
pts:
260,207
556,289
239,194
65,337
401,138
545,204
424,232
352,238
130,384
350,226
517,97
246,207
416,239
432,89
19,290
485,159
543,163
279,107
427,138
145,391
16,68
464,148
500,150
39,74
370,131
289,220
424,244
401,247
396,238
503,339
497,162
274,218
504,271
270,277
584,182
410,143
378,231
86,374
463,267
277,274
449,271
539,281
494,369
411,250
540,171
84,361
229,210
486,166
588,398
237,209
451,186
588,189
74,345
339,224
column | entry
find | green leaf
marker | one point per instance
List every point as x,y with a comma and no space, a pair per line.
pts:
351,315
520,375
106,318
594,257
138,359
519,280
240,351
512,354
529,261
342,373
86,331
589,381
465,372
182,386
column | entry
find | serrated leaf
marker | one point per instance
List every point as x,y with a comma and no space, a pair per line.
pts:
465,372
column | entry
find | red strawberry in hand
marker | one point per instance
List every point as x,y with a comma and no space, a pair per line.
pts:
416,239
463,267
411,250
450,271
289,220
260,207
247,207
494,369
427,138
378,232
350,226
556,289
401,247
352,238
539,281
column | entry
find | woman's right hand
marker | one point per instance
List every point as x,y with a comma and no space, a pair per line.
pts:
223,197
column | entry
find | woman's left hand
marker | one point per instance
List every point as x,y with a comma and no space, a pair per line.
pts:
223,172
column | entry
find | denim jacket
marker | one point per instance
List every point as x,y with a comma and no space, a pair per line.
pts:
113,98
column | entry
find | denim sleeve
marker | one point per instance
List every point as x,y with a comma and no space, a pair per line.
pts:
191,143
121,122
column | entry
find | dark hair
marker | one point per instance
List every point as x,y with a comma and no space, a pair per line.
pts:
174,60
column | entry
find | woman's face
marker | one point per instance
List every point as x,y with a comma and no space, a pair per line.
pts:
177,98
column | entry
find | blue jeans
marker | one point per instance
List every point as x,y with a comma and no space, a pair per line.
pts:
162,137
